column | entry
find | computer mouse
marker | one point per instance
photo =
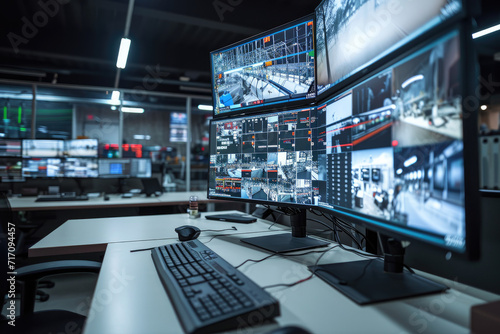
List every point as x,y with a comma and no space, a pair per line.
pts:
289,330
187,232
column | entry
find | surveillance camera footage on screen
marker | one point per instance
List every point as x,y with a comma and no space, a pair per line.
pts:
390,150
273,68
350,35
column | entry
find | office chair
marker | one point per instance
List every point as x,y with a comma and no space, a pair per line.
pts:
27,321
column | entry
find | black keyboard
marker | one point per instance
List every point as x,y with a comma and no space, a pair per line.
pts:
208,294
59,198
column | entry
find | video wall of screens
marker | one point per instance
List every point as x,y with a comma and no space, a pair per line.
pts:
351,35
272,68
114,168
388,150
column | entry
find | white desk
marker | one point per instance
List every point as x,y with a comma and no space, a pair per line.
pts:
115,201
129,297
92,235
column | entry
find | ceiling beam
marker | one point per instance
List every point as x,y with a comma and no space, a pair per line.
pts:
183,19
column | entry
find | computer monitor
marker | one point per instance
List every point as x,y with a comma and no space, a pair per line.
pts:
267,158
43,167
395,152
83,148
140,167
114,168
352,35
10,147
81,168
267,70
43,148
11,169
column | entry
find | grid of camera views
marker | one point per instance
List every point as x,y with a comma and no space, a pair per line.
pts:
352,34
390,148
277,67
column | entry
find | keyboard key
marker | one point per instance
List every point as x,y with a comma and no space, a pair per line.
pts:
195,280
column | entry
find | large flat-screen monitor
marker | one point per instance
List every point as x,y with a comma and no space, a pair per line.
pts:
83,148
11,169
114,168
81,167
387,152
352,35
269,69
43,167
10,147
43,148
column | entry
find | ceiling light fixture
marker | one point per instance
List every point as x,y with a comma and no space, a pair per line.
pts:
115,97
185,79
205,107
133,110
121,62
484,107
486,31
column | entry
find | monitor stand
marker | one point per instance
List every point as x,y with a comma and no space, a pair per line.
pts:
373,281
286,242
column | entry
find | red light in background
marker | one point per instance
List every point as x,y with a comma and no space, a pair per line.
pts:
395,143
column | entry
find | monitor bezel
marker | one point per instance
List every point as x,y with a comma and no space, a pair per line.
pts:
269,105
379,62
469,128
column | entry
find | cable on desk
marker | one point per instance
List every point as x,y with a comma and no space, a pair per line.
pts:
288,285
233,228
256,261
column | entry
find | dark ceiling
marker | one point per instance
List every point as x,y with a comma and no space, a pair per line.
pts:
79,40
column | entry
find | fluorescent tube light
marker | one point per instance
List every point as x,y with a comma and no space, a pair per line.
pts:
486,31
115,97
121,62
133,110
205,107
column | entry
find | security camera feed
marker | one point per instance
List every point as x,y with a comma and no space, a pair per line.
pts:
82,148
114,168
81,168
351,35
10,169
40,148
43,167
10,148
388,151
267,157
271,68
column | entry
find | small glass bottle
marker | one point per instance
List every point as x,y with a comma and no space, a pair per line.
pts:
193,207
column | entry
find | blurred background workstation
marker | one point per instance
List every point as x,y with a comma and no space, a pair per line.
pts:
377,122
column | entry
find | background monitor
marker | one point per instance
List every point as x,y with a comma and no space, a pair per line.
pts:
271,68
43,167
42,148
351,35
140,167
10,169
84,148
81,167
178,127
114,168
10,147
